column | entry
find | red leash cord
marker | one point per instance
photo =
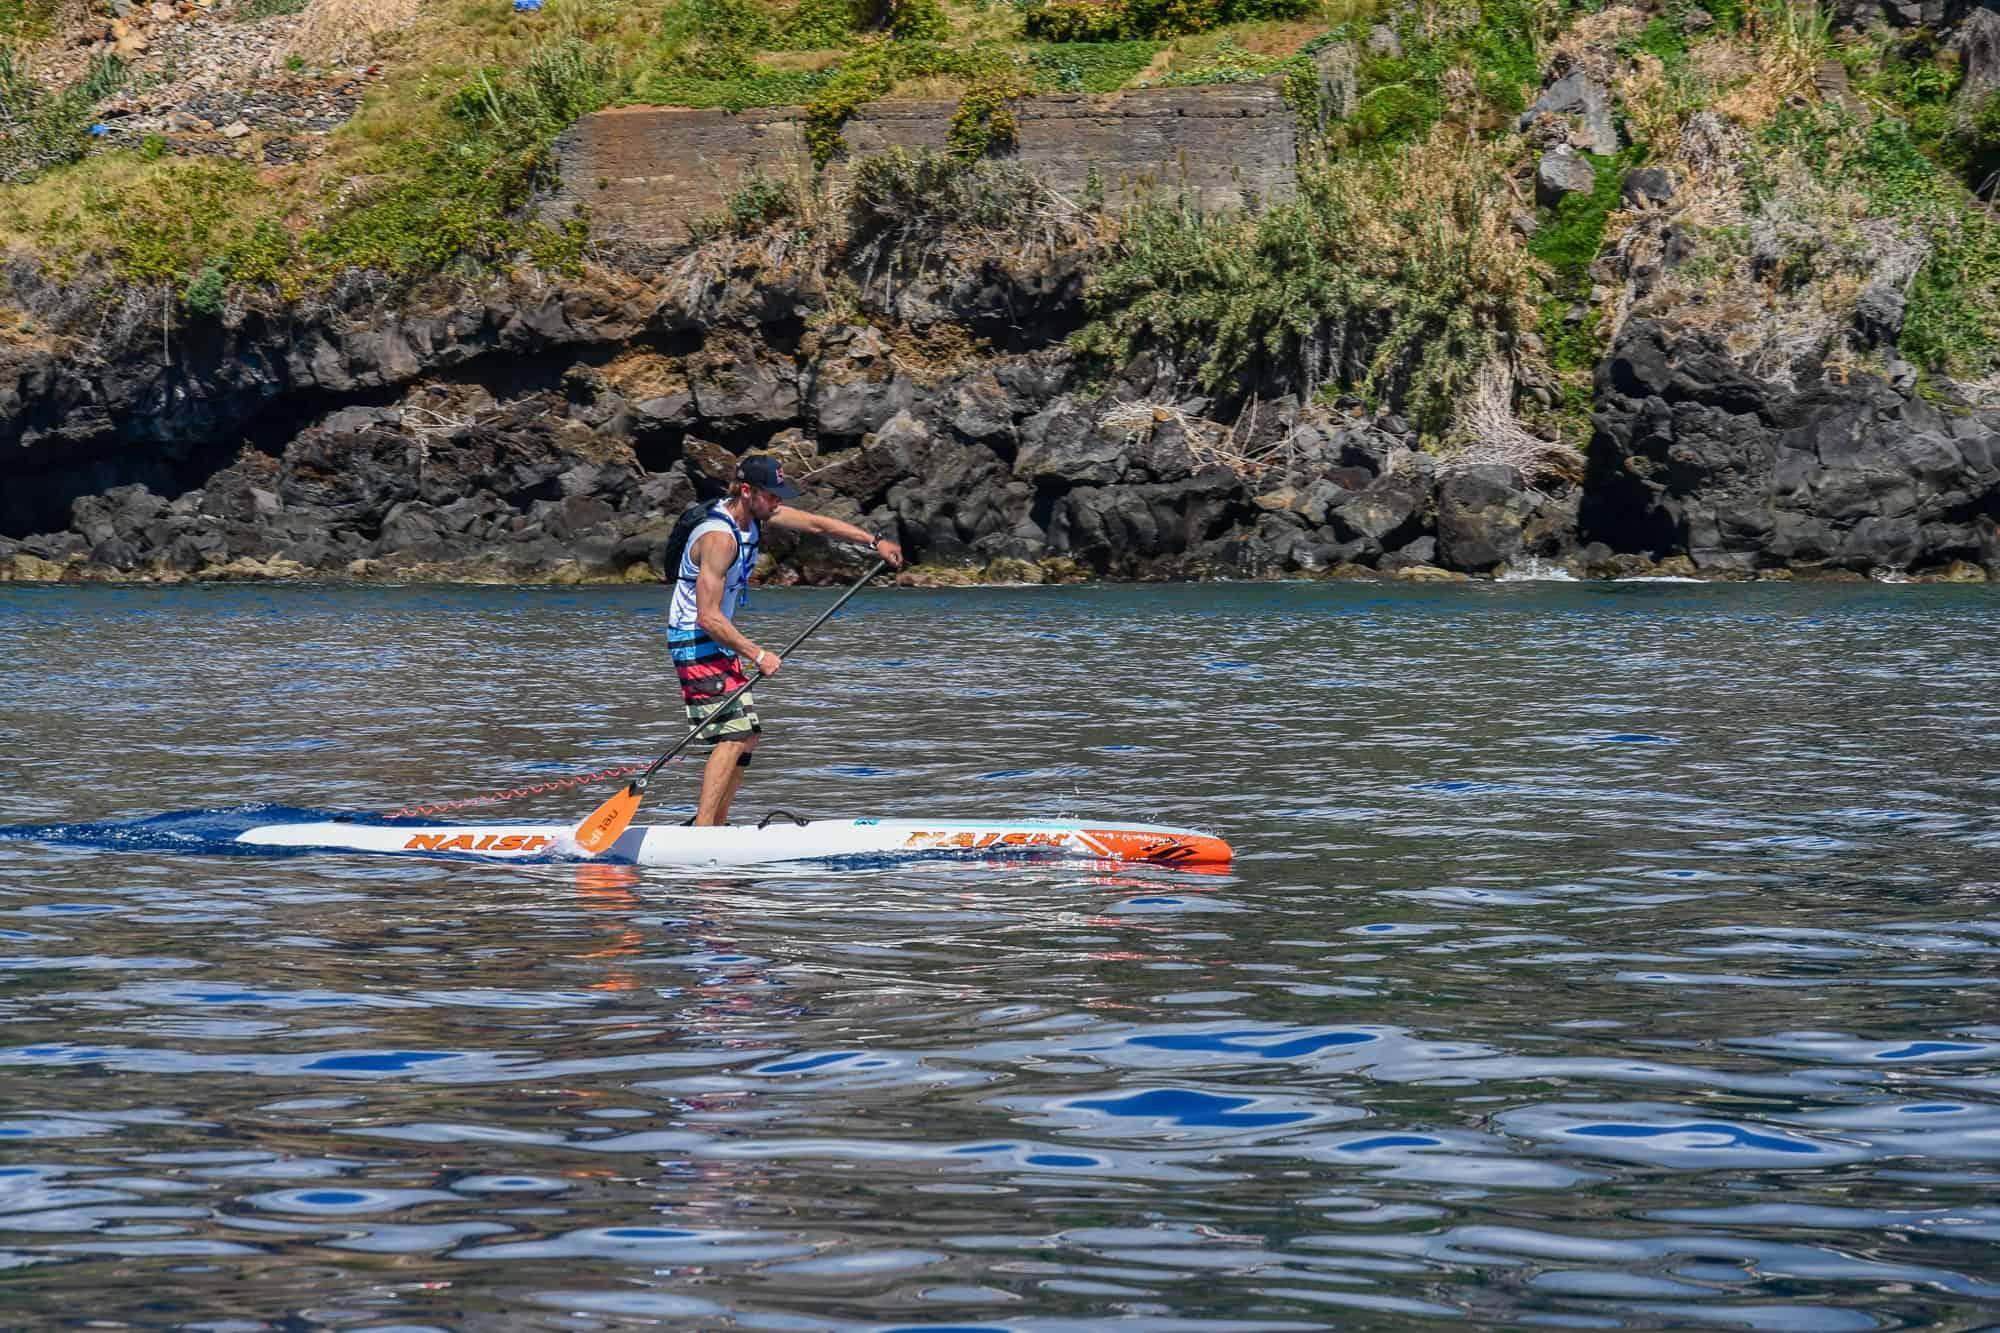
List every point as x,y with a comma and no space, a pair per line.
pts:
516,793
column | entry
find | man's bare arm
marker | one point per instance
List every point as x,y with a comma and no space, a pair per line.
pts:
714,554
820,525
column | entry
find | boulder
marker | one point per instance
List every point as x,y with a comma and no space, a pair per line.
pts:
1114,528
979,409
1562,172
1488,516
855,387
1481,511
1421,552
1647,187
1392,512
124,512
736,387
1062,443
1577,94
1693,455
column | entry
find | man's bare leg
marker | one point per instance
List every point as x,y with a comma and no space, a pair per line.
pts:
735,779
721,778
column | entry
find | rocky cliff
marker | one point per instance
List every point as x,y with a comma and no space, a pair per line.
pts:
1767,313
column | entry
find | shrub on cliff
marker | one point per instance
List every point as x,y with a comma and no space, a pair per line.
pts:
913,200
461,195
42,127
1114,20
874,70
1399,278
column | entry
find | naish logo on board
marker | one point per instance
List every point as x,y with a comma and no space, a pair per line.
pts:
467,842
940,841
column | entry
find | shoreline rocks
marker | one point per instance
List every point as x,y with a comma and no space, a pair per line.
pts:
551,435
1694,457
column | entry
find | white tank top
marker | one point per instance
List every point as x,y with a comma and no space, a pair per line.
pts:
735,588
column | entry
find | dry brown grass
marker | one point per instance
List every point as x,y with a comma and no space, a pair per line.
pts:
1589,43
1486,431
341,32
974,22
1777,282
644,374
932,88
1209,442
806,62
934,352
1790,39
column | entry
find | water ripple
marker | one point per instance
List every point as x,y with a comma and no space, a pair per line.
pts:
1599,956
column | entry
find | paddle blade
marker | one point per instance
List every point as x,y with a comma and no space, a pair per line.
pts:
603,825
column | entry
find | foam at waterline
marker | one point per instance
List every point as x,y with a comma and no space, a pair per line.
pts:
1536,570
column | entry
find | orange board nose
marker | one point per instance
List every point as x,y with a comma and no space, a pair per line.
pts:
1170,849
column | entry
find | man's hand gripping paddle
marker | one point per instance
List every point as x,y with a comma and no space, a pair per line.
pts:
603,825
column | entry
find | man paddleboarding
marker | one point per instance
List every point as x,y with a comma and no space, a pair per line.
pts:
711,655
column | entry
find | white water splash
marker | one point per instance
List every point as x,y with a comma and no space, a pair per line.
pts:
1533,569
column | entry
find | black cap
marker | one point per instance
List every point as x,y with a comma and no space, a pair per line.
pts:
765,473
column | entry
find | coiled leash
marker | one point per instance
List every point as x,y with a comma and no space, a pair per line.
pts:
516,793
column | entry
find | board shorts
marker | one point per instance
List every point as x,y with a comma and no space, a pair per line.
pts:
708,672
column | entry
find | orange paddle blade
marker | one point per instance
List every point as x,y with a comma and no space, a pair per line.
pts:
603,825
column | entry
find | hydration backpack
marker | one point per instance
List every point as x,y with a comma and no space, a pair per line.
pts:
677,541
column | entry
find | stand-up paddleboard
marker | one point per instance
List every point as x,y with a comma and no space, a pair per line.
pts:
775,841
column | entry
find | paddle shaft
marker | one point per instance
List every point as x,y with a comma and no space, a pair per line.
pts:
639,783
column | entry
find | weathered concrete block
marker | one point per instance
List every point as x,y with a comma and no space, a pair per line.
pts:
645,173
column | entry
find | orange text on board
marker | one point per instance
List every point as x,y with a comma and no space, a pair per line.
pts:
467,842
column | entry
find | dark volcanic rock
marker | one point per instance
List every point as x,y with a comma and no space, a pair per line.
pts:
1488,516
1645,186
1693,455
1063,443
1113,529
1563,171
855,387
1395,510
1577,94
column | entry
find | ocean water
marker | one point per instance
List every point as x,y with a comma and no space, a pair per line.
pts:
1596,956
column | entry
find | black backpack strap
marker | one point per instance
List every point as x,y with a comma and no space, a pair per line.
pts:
707,513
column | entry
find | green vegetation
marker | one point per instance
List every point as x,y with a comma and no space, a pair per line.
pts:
1664,39
1409,257
913,199
44,128
146,235
1458,63
194,222
1392,273
1953,321
460,195
253,10
1569,237
1092,67
760,201
1127,20
1567,242
1952,324
24,20
872,71
983,121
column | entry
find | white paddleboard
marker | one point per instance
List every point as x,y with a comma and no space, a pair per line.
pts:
748,845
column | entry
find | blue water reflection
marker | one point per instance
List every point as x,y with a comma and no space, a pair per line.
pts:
1596,958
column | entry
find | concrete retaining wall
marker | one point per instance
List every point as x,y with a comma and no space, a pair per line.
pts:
644,173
